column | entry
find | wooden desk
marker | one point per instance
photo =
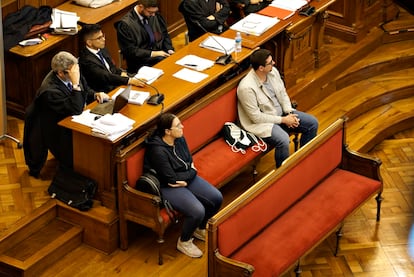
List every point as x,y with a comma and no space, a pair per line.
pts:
296,43
27,66
94,156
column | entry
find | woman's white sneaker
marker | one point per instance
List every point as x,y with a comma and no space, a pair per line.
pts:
189,248
200,234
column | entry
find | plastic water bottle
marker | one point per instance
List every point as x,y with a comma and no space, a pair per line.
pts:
238,43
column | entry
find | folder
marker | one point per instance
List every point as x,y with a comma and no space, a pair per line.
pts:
276,12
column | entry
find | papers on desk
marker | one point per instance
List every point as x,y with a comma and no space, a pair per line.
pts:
149,74
255,24
292,5
64,22
218,44
190,75
109,126
195,62
138,97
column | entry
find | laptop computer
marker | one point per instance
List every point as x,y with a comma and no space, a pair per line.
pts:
113,106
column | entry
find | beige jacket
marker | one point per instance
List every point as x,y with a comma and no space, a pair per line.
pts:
256,110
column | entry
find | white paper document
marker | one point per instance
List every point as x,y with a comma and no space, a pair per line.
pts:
150,74
291,5
190,75
138,97
218,44
109,126
64,22
255,24
112,126
195,62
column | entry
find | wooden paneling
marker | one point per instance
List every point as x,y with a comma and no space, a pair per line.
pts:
351,20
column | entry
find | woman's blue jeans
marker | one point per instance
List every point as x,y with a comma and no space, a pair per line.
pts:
198,201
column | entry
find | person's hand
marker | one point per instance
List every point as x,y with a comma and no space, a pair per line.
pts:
101,97
291,120
136,82
211,17
178,184
218,7
74,74
159,53
253,2
171,52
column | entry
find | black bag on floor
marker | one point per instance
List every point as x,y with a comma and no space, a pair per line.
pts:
73,189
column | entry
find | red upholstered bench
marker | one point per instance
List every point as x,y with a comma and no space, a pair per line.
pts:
292,209
212,156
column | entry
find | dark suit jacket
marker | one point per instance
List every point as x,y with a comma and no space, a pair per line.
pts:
98,77
54,102
198,10
134,40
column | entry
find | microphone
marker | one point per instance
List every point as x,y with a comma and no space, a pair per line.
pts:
224,59
154,99
157,98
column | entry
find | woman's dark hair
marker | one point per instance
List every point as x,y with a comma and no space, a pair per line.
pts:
164,123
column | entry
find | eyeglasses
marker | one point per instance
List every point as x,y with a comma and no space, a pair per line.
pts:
99,38
178,126
151,12
270,63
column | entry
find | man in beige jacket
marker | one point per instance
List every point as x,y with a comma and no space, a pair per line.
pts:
265,109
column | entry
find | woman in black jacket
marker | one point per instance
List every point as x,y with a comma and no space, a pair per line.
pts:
168,154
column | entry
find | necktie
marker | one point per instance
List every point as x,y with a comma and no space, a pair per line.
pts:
101,57
149,31
70,87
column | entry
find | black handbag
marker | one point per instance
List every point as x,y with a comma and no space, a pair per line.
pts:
73,189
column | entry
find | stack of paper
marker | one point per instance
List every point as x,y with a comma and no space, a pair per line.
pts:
255,24
64,22
292,5
138,97
149,74
112,126
195,62
218,44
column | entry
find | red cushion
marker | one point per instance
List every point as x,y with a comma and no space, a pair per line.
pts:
207,123
216,162
280,196
135,166
300,228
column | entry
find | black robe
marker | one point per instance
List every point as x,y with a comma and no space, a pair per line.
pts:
134,41
54,102
197,11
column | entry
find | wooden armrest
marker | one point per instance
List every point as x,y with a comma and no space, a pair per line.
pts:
228,267
140,203
362,164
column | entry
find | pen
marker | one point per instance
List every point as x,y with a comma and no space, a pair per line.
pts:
189,64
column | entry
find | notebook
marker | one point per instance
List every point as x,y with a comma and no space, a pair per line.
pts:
113,106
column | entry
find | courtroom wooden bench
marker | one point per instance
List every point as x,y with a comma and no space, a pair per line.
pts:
277,221
211,154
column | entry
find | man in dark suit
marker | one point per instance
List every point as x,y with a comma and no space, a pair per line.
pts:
96,64
143,36
63,92
210,14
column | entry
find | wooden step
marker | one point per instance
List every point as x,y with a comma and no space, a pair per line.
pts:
399,55
374,126
363,96
37,242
